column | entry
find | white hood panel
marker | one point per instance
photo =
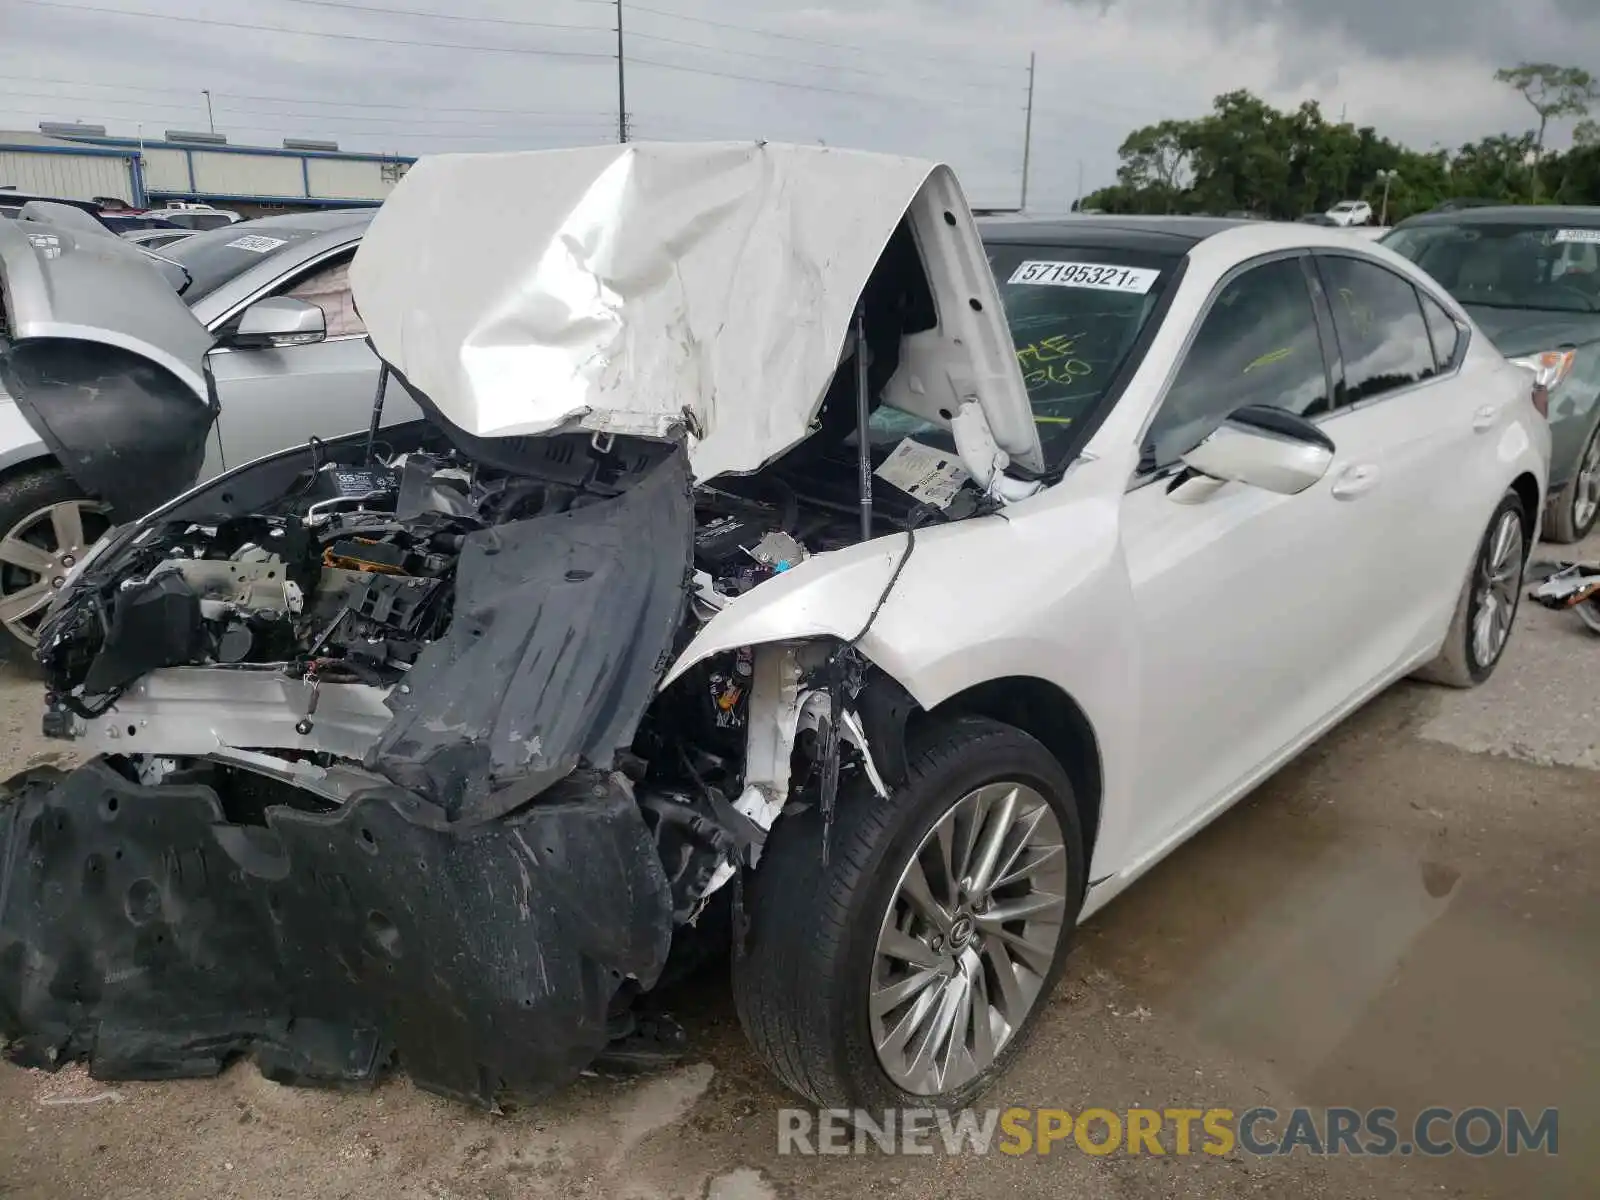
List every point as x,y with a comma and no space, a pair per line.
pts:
640,288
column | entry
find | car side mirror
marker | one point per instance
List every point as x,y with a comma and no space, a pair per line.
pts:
1263,447
279,321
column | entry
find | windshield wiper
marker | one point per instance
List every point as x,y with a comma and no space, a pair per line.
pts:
171,262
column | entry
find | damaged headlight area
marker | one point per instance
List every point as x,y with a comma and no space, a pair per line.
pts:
384,771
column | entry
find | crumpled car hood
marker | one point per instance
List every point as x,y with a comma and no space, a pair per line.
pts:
645,289
104,359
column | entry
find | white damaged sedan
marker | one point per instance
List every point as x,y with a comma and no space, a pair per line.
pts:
781,558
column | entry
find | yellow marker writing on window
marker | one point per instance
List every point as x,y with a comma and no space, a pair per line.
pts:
1270,357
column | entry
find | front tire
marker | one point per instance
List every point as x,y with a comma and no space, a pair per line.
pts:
46,523
1576,507
1487,608
910,969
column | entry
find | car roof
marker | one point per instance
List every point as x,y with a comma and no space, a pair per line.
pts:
325,222
1586,216
1161,234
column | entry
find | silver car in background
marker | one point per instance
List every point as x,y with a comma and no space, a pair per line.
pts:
289,361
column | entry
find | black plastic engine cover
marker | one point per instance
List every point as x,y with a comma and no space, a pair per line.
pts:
155,625
142,931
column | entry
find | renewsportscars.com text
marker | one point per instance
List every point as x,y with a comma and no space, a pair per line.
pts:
1260,1131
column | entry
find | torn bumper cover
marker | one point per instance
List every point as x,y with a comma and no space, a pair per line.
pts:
143,931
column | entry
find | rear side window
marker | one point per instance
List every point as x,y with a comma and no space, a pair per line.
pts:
1377,316
1447,337
1257,344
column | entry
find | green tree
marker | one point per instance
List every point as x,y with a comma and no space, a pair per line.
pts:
1246,156
1552,91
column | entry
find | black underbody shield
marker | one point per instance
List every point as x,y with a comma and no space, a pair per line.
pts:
143,931
473,917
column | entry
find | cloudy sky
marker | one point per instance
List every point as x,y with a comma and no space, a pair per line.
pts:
939,78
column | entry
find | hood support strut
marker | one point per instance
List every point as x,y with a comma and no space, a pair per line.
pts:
863,418
377,407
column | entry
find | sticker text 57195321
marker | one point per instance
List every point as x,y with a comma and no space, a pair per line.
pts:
256,243
1100,276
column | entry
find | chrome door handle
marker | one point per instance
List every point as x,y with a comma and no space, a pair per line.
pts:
1484,419
1356,480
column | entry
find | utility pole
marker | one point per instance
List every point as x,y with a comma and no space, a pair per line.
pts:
210,120
622,82
1027,132
1077,201
1388,178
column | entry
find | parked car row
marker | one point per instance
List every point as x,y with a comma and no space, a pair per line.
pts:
777,544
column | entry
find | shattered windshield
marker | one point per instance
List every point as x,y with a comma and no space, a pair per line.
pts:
1542,265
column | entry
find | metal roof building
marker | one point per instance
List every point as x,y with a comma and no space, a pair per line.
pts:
53,166
81,162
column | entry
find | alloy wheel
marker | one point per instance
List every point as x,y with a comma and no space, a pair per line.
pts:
35,555
1499,578
1586,488
968,940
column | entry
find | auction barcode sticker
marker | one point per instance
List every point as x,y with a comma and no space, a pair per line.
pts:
1578,235
256,242
1101,276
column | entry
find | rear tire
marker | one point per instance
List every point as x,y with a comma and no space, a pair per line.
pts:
810,986
1575,509
1489,600
46,523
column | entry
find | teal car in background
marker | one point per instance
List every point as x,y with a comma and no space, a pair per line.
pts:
1530,278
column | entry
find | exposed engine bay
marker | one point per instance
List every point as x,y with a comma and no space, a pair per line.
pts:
385,768
347,653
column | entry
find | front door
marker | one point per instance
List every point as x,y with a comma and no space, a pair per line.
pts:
1234,591
277,397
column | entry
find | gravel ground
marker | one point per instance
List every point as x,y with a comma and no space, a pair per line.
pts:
1405,916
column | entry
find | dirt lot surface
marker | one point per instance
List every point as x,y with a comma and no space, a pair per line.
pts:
1409,915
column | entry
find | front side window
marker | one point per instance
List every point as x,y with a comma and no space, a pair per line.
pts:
1446,334
1257,345
1377,317
328,288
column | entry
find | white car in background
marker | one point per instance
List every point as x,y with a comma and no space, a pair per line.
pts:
777,539
1351,212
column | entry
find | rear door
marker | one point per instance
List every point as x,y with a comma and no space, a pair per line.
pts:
1418,433
279,396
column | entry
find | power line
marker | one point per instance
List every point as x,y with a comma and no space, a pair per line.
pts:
794,37
68,102
546,53
405,120
635,60
439,16
346,37
131,87
874,72
650,37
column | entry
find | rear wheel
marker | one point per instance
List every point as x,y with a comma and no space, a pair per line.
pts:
46,523
1487,608
911,967
1576,507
